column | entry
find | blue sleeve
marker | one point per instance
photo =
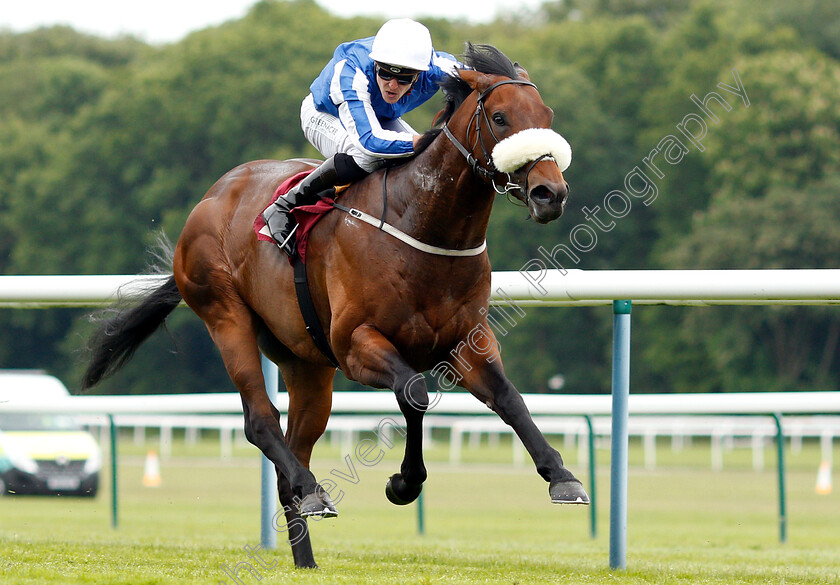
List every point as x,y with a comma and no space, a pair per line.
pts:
350,92
442,65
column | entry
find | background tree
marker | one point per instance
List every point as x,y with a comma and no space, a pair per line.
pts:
105,143
775,206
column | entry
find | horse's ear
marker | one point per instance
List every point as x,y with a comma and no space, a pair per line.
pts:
520,70
476,80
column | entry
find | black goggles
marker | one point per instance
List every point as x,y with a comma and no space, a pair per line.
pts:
402,79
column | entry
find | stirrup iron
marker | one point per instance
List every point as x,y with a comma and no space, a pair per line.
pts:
289,239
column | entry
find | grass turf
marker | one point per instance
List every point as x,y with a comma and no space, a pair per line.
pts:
485,523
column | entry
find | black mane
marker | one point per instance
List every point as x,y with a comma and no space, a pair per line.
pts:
482,58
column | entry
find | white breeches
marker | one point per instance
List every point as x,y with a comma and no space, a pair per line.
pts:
328,135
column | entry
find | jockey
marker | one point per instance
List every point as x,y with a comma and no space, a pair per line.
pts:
352,115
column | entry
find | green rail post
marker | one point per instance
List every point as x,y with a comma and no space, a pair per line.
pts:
113,471
780,450
421,525
593,513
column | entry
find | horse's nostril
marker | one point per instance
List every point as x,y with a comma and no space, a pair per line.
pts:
541,195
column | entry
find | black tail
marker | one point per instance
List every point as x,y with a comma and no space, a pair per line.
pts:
125,328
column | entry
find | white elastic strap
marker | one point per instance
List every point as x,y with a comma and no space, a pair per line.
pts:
414,243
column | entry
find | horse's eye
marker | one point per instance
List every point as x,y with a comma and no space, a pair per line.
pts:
499,119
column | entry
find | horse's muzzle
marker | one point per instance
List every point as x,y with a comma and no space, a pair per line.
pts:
546,202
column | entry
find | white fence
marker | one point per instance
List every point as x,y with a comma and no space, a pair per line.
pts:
725,433
544,287
460,415
550,287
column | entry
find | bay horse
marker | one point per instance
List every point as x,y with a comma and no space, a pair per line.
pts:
389,310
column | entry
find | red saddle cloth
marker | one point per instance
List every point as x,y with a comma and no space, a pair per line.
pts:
305,215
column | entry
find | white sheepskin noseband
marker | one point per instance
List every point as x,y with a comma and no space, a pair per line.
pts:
514,151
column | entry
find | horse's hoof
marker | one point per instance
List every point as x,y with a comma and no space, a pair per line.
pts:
401,493
568,492
318,503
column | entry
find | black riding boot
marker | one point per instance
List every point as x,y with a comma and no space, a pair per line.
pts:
340,169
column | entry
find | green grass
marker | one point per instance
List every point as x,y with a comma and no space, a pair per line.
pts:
485,523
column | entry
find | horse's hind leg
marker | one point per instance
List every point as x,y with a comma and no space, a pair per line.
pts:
233,328
310,399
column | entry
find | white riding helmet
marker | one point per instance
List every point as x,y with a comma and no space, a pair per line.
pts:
403,42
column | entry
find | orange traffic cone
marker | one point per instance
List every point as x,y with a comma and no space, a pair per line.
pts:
151,472
824,479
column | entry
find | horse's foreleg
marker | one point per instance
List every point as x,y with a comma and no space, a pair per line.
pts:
484,377
374,361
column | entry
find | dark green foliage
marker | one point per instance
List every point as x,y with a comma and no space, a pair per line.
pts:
105,142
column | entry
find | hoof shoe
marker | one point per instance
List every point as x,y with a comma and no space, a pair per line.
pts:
401,493
318,503
568,492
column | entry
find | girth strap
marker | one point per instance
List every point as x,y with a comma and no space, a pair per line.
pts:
310,316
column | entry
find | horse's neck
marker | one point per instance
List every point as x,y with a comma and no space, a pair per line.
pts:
439,200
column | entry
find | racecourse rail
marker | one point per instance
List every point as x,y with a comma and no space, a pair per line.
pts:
537,284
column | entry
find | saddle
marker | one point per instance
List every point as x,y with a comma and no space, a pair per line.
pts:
306,216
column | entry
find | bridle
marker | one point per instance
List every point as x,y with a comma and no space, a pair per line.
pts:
488,171
485,169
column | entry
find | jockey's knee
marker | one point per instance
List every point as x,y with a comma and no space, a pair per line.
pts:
361,159
348,169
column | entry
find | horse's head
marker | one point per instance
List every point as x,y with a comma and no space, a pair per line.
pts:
506,131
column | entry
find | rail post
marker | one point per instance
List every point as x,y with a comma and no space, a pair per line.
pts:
780,453
268,475
620,437
593,510
421,521
114,508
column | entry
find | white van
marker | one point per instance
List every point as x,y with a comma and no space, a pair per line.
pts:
44,453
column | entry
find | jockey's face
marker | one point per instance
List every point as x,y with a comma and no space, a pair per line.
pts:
393,87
